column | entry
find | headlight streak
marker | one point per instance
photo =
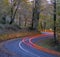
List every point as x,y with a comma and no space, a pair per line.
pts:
28,41
32,54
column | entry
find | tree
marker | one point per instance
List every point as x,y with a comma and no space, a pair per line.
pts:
14,8
35,15
3,7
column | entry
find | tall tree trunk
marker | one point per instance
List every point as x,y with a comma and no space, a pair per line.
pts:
55,22
32,18
35,16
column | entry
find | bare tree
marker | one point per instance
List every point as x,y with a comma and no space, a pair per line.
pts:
14,8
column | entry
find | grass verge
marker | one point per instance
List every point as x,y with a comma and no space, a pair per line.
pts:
50,44
13,35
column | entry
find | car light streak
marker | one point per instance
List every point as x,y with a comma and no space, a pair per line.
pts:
32,54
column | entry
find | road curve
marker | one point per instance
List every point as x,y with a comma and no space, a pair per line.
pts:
26,48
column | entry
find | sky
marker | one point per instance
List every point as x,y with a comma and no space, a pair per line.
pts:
47,0
32,0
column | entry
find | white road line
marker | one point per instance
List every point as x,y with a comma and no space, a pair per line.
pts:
27,50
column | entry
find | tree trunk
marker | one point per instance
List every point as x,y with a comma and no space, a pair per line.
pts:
35,15
13,14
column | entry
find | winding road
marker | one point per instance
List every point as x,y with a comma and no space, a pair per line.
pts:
26,48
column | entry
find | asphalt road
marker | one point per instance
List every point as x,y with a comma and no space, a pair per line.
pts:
23,48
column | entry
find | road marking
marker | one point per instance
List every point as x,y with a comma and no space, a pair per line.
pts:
27,50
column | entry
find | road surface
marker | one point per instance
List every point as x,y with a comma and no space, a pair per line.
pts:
24,48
